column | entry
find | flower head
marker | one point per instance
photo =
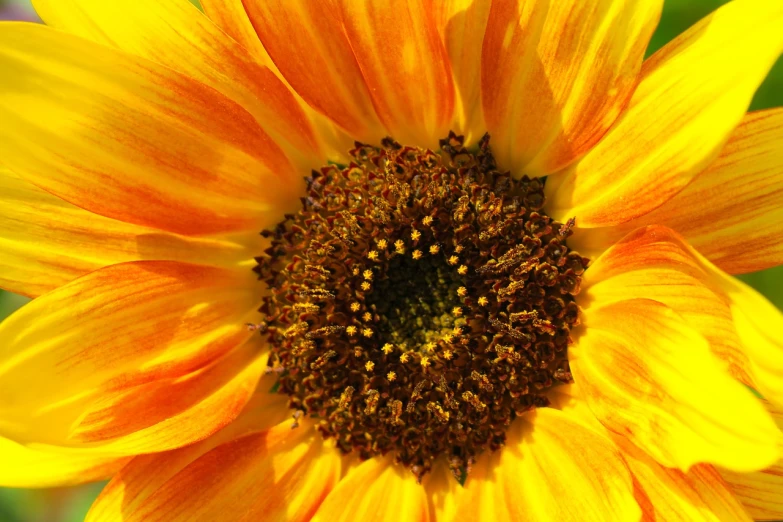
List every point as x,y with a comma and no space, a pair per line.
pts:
491,269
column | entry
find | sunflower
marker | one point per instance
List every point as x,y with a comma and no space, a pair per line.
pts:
353,260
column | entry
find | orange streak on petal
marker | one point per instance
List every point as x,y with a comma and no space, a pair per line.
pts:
405,65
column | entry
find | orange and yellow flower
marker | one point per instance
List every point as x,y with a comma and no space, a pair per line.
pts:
144,146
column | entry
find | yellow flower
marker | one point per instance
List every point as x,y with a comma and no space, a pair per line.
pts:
145,146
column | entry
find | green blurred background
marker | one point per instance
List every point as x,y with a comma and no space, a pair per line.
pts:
71,504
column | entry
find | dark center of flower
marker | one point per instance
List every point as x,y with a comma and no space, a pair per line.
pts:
419,302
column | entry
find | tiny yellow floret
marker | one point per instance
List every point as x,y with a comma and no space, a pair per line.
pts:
351,330
462,270
387,348
369,366
417,254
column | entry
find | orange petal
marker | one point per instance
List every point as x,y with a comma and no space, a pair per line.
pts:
462,24
762,492
231,17
25,467
672,399
376,490
48,242
556,75
133,140
691,96
405,65
178,35
277,474
121,328
742,326
731,211
537,477
317,62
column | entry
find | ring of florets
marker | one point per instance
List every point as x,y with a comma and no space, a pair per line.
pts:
418,302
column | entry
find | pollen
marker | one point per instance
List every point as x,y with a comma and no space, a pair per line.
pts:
340,302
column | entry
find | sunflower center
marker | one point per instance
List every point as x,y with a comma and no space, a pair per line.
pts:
419,302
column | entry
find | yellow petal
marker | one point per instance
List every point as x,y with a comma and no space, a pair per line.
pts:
662,493
657,263
761,492
556,75
133,140
405,66
276,474
652,264
72,351
318,61
376,490
176,34
462,24
673,495
47,242
691,96
672,398
731,211
25,467
553,467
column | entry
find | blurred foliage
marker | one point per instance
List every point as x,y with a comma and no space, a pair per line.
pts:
71,504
